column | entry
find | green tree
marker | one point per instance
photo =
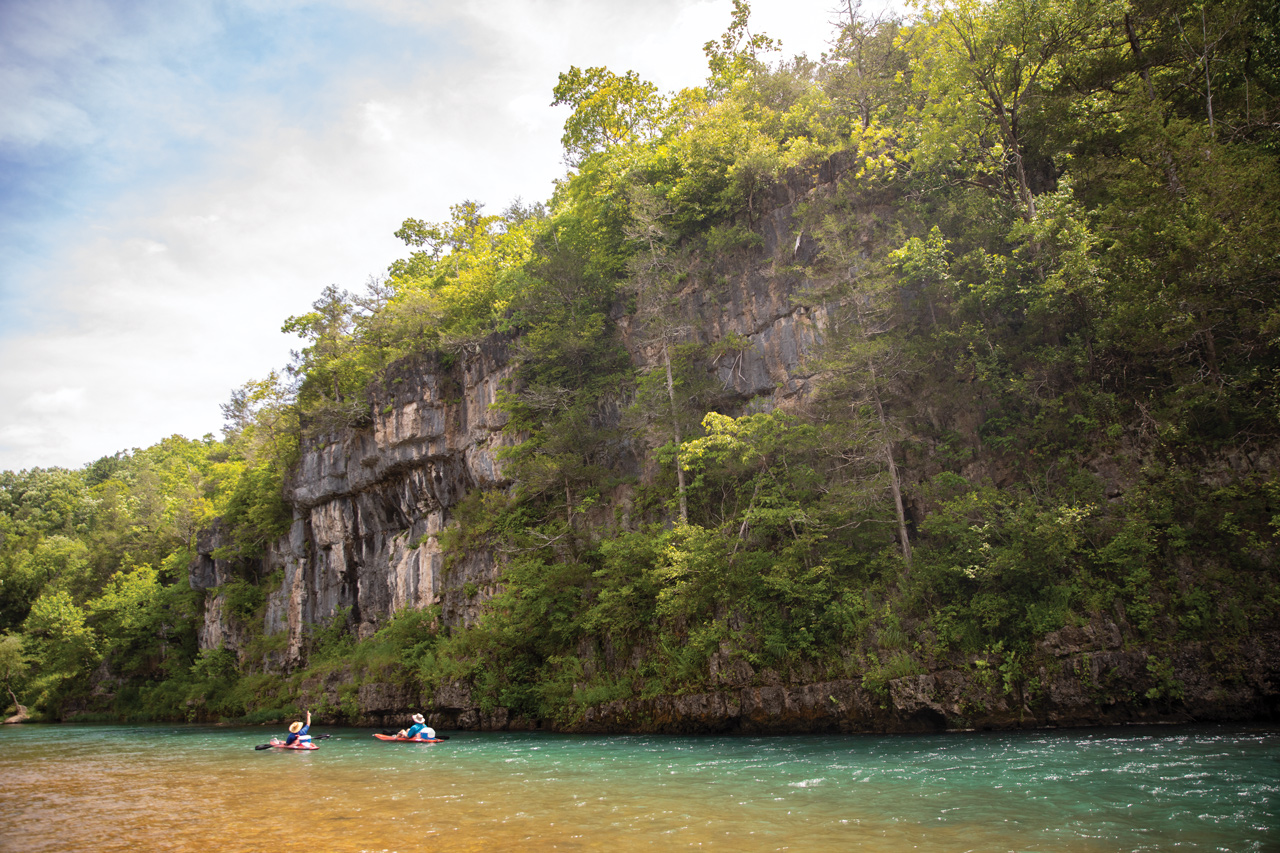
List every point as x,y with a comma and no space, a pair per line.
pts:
571,363
53,563
154,502
262,431
983,68
869,72
42,501
655,271
462,283
608,110
865,351
130,617
736,54
331,387
63,645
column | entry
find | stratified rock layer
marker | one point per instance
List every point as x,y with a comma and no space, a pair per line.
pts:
370,502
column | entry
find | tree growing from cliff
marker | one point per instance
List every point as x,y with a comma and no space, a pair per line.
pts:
871,74
984,68
571,366
654,271
461,284
331,383
865,361
263,429
608,110
736,54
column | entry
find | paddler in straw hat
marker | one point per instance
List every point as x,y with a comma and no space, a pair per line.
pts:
298,732
418,729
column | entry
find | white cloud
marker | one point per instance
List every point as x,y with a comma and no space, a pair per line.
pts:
40,120
174,293
60,401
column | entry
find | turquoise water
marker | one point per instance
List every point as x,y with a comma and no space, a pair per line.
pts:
189,788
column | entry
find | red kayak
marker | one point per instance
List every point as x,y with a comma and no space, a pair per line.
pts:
279,744
399,739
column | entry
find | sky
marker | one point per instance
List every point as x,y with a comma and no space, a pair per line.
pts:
178,177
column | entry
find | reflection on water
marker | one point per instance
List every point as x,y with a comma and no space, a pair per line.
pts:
109,788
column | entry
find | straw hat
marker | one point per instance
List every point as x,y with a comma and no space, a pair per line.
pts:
417,718
295,727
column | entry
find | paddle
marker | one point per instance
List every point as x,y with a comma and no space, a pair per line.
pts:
313,737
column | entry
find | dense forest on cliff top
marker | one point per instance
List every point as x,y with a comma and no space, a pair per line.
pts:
1046,389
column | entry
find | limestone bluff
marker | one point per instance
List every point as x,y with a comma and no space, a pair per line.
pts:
369,502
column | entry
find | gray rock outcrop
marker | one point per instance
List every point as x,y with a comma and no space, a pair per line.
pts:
369,504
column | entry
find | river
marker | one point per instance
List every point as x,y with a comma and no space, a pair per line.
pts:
203,788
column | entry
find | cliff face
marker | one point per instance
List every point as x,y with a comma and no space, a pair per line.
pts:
369,504
765,298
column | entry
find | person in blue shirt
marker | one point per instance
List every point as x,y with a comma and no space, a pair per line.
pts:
298,732
418,729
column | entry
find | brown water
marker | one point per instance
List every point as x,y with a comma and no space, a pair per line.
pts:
118,788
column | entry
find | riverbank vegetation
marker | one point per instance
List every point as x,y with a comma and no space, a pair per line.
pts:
1048,387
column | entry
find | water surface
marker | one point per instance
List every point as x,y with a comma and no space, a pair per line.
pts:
192,788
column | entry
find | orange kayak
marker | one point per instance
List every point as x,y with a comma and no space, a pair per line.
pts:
398,739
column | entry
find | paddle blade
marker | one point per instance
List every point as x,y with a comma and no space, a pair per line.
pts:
263,746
